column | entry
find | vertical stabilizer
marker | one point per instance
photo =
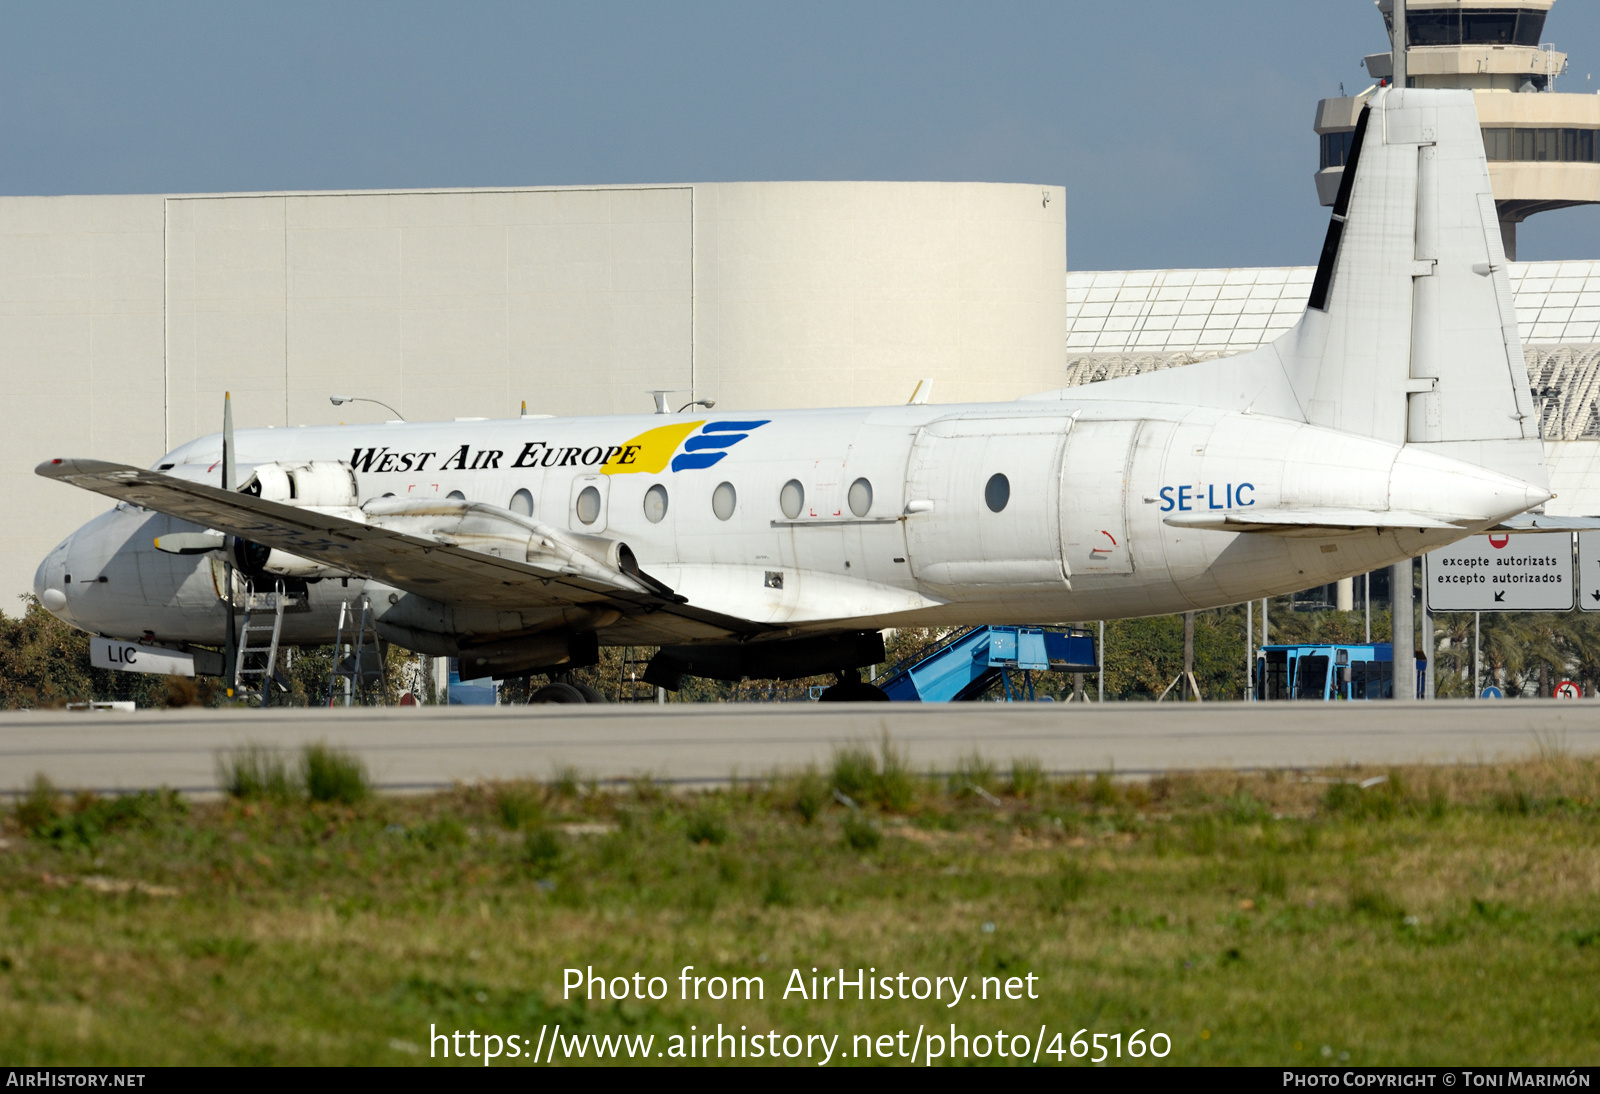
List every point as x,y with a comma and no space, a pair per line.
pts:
1410,335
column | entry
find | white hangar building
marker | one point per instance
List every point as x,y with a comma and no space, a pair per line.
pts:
123,319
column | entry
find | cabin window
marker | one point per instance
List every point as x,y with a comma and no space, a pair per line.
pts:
723,500
860,497
997,493
589,505
1336,148
456,495
655,504
792,499
522,502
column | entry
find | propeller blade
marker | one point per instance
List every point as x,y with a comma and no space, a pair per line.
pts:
227,440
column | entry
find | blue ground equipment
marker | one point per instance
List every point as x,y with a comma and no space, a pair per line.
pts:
966,665
1358,671
470,693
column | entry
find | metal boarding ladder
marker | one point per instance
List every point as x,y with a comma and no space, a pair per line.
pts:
364,661
271,630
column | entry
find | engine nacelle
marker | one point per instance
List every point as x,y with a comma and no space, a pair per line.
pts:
259,561
317,484
490,642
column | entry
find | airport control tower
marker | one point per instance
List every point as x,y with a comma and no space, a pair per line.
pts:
1542,145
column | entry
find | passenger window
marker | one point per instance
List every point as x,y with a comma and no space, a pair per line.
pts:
589,505
522,502
723,500
860,497
997,493
792,499
655,504
456,495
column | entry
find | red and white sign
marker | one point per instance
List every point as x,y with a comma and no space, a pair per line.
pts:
1568,690
1503,573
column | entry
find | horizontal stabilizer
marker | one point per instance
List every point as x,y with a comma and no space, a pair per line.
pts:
1538,522
1305,522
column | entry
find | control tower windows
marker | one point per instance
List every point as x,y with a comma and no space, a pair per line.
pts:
1336,148
1539,145
1508,26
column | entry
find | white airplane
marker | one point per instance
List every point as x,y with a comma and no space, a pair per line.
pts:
1393,419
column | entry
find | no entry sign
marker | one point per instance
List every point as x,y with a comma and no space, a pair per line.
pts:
1501,573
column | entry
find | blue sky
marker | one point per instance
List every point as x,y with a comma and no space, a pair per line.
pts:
1181,130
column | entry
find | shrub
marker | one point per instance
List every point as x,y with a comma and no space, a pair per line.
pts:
972,774
518,808
254,771
439,833
38,808
707,826
894,788
541,850
810,796
1102,791
1027,775
331,775
1243,808
92,817
854,770
861,834
566,782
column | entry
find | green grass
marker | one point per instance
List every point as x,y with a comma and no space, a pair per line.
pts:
1437,915
323,774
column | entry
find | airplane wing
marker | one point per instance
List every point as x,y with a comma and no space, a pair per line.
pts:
1304,522
558,571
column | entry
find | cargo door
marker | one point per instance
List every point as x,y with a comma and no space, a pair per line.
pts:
983,500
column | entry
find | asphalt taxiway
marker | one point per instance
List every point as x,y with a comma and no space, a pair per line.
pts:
420,748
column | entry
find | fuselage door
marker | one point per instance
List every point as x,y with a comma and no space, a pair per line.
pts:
983,502
1094,489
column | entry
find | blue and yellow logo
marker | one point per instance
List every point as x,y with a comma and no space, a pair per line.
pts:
702,443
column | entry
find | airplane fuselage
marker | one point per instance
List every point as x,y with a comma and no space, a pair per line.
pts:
811,521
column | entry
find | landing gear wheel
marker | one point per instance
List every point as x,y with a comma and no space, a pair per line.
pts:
558,693
590,695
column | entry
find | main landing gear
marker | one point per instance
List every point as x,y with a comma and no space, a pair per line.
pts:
852,689
564,689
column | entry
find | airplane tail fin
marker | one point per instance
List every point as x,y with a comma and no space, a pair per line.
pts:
1410,334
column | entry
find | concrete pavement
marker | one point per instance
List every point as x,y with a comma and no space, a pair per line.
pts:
429,747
